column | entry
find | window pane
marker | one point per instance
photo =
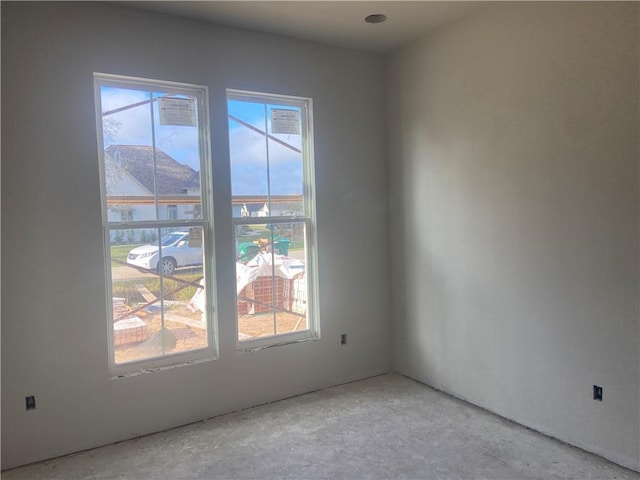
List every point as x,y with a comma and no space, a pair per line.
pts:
285,150
271,281
128,181
247,148
159,304
177,158
266,159
137,175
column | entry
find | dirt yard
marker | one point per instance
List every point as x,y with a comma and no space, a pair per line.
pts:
264,325
183,332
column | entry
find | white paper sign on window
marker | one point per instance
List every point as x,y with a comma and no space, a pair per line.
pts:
195,237
285,121
177,111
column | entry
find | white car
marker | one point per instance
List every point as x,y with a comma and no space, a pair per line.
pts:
176,252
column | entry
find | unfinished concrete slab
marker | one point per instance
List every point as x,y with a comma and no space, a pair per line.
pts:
381,428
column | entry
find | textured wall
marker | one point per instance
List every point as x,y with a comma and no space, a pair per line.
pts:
54,334
514,191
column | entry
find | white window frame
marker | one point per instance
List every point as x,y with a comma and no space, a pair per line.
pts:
309,219
169,360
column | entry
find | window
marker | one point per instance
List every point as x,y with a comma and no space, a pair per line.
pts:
126,215
273,215
154,163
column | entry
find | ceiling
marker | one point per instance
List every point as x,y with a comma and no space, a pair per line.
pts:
334,22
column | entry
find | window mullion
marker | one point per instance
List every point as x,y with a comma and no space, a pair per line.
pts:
266,143
157,207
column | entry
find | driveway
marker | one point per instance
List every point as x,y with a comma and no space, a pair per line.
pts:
122,272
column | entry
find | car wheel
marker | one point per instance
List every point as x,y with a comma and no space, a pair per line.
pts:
167,265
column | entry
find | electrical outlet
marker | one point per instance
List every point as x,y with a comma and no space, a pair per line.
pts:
30,402
597,393
343,339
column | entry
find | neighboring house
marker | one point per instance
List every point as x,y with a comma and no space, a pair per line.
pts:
251,209
261,209
264,211
130,183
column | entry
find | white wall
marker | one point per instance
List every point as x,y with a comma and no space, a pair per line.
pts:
54,334
514,191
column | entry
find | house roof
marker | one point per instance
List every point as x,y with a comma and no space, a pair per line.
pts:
172,177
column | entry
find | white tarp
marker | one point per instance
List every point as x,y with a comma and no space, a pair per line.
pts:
260,266
198,300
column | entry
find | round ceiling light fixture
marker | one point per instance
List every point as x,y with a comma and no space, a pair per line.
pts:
376,18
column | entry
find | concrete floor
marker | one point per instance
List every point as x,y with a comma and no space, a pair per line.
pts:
387,427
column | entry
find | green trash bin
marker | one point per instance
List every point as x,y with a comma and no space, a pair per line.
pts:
282,246
246,251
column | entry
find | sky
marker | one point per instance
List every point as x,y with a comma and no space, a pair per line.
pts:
247,148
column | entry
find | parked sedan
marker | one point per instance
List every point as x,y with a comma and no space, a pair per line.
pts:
176,252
